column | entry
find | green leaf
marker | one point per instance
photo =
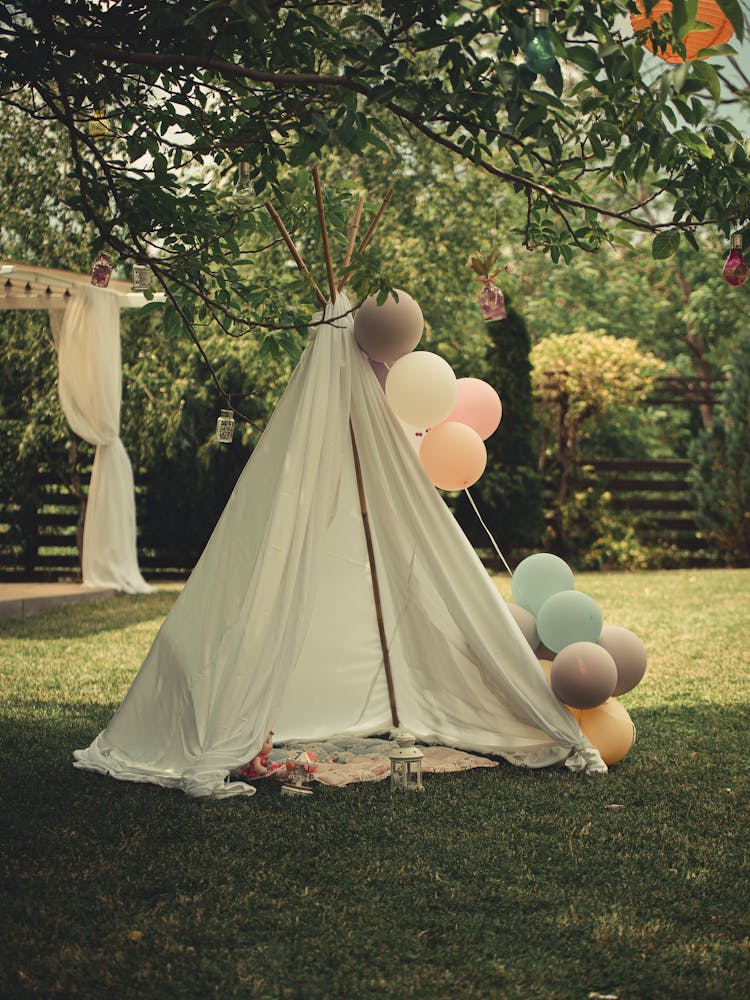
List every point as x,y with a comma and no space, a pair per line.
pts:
584,56
709,77
665,244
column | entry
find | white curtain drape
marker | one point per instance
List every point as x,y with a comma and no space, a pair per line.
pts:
87,336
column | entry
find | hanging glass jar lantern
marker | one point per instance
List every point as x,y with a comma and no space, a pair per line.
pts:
141,277
735,267
225,427
491,301
406,764
98,124
244,192
101,272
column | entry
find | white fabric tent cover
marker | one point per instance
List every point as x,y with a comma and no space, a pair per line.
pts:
276,627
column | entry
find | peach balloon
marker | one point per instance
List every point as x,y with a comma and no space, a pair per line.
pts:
388,332
453,455
421,389
478,406
609,728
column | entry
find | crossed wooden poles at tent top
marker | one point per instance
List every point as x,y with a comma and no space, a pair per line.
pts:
334,287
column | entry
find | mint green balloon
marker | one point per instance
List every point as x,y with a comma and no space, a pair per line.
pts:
537,578
568,617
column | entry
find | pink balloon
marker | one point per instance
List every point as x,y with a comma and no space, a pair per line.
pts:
453,455
478,406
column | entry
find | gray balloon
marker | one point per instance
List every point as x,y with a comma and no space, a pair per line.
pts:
583,675
629,654
388,332
526,622
544,652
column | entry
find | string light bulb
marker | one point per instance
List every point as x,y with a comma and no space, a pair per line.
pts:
243,188
539,54
735,269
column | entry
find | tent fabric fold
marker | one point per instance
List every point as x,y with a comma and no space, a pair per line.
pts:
276,626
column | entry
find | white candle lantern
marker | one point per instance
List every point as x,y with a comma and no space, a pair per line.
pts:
141,277
406,764
225,427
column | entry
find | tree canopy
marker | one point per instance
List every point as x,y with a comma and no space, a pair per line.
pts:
165,106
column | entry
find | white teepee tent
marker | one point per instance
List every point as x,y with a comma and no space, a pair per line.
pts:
277,626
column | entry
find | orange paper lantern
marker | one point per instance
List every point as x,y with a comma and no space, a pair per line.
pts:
709,12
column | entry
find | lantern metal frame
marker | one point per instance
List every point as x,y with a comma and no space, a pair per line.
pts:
406,764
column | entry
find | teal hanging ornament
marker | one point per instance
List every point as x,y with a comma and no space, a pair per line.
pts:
539,54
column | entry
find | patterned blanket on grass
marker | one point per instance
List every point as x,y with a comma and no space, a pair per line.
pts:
343,761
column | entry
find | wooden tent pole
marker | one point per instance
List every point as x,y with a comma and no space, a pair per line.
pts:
375,222
369,234
354,229
375,584
324,233
294,252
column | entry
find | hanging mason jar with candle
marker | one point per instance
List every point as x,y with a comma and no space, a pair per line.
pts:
225,427
141,277
101,272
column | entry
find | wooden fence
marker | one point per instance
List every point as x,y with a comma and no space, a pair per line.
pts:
44,540
656,492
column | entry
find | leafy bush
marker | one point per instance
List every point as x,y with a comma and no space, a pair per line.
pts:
721,473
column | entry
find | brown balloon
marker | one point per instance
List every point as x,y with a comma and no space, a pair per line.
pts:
388,332
583,675
629,654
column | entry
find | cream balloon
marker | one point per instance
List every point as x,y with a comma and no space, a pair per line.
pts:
421,389
453,456
388,332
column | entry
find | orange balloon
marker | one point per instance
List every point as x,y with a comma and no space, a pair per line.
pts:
709,12
453,456
609,727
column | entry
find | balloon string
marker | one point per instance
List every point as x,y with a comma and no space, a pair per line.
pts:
489,533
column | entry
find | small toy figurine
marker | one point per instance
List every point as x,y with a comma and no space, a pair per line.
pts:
300,770
260,766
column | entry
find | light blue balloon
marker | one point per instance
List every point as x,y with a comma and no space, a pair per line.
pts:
567,617
537,578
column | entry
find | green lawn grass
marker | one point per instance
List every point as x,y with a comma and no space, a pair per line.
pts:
498,883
